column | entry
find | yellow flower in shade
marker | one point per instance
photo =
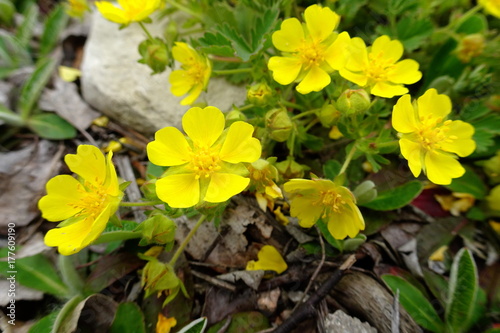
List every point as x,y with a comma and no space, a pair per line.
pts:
456,203
85,204
76,8
194,75
491,6
322,198
208,164
311,50
129,10
428,141
164,324
378,67
493,201
439,254
269,259
262,177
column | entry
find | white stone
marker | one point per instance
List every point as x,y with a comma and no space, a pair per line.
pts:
114,82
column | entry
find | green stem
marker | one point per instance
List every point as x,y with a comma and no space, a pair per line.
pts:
186,241
150,37
119,235
292,105
464,17
183,8
232,71
69,275
246,107
348,159
311,124
192,31
393,143
140,204
305,113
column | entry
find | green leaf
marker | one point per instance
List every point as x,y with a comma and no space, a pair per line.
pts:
196,326
264,25
54,25
45,324
216,44
10,117
32,88
336,243
331,169
475,24
51,126
13,54
128,319
462,292
243,322
25,31
474,110
469,183
415,303
36,272
396,197
7,11
413,32
239,44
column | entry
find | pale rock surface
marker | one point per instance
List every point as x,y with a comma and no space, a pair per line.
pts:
114,82
340,322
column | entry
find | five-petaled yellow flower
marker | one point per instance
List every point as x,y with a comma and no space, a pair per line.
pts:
85,204
428,141
130,11
208,164
491,6
194,75
322,198
311,50
378,67
76,8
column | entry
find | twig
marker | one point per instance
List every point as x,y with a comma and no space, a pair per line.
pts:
133,192
307,310
395,314
214,281
224,327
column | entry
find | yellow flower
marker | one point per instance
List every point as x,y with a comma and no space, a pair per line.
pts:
378,67
493,201
428,141
262,177
269,259
85,204
439,254
311,50
130,11
322,198
469,47
491,6
164,324
194,75
456,203
207,165
76,8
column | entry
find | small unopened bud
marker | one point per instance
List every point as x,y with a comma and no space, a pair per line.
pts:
328,115
290,169
157,229
279,124
260,94
235,115
470,47
148,188
353,101
154,54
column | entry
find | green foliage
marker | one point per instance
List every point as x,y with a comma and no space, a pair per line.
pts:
54,25
128,319
196,326
396,198
51,126
470,183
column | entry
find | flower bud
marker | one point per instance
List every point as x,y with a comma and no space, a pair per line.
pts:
492,168
235,115
157,229
154,54
470,47
159,277
290,169
260,94
279,124
328,115
353,101
149,190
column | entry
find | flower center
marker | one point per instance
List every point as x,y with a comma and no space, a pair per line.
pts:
204,161
432,132
196,72
331,200
378,67
311,53
93,202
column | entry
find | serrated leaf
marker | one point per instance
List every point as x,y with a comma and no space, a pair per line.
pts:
469,183
490,123
474,110
32,88
30,18
415,303
54,25
36,272
413,32
128,319
397,197
462,292
238,43
484,140
51,126
216,44
196,326
263,26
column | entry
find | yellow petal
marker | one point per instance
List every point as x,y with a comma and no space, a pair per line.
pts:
337,53
239,145
179,191
169,148
164,324
462,145
298,184
290,36
320,21
441,168
62,193
390,50
111,12
98,225
181,82
412,151
403,115
315,80
69,74
223,186
303,209
88,163
432,103
69,239
194,93
147,9
358,55
111,183
347,222
203,126
285,69
269,259
405,71
388,90
184,53
359,78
